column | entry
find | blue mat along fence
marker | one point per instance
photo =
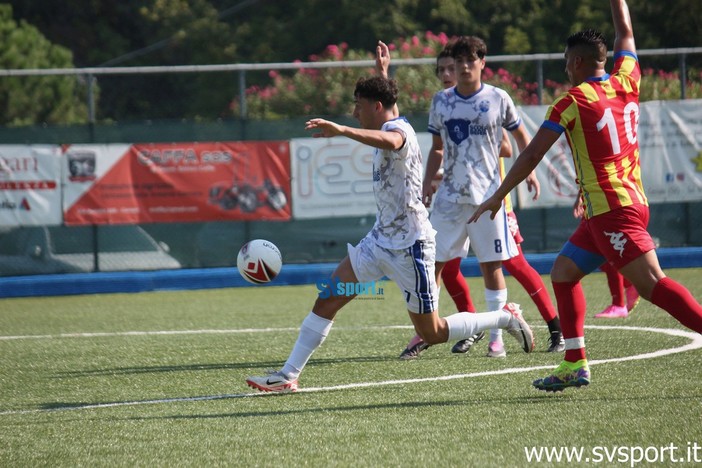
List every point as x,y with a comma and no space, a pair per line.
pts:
293,274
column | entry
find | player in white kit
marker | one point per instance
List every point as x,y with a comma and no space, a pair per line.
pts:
400,245
466,122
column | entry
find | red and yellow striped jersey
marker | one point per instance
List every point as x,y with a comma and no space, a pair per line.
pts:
600,118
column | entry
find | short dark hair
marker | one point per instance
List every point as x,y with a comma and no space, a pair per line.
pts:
377,88
469,46
589,43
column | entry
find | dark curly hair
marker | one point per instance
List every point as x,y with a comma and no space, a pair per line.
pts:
377,88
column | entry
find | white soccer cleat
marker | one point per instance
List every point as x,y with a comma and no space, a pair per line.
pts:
519,328
274,381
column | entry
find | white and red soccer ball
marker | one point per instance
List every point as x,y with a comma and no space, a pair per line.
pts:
259,261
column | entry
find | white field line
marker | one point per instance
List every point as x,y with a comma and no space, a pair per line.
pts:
183,332
695,343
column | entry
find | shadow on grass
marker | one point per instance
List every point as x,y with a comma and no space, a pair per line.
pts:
210,367
485,402
67,406
573,396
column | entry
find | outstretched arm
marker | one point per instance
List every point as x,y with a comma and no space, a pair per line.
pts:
523,166
624,32
391,140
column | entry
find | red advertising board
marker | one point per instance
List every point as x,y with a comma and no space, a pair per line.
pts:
177,182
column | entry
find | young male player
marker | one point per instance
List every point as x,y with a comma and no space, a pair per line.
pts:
517,266
400,245
466,122
599,115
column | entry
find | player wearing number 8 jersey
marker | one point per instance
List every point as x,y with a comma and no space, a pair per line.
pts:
599,116
466,123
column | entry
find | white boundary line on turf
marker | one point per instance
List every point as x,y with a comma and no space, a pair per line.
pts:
184,332
695,343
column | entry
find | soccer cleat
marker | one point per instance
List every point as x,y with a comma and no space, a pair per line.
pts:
567,374
496,349
613,312
632,298
414,347
519,328
274,381
556,343
464,346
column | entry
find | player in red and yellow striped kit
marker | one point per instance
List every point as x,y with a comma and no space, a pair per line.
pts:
599,116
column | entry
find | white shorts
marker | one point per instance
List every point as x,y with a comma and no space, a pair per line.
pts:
490,239
412,269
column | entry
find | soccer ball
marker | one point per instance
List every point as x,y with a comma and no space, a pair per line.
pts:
259,261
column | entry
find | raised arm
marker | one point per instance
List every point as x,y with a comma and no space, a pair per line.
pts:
382,59
382,67
624,32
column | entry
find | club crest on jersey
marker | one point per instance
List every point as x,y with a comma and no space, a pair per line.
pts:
484,106
458,130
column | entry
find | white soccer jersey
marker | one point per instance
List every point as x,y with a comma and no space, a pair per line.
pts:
401,217
471,130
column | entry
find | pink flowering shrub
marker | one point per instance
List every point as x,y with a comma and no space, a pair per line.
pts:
328,91
662,85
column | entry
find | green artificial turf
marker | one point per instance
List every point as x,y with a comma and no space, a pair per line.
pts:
157,379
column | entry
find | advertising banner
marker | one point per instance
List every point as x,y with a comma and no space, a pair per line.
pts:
177,182
333,177
670,137
304,178
30,185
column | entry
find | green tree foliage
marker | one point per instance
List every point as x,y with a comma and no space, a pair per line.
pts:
185,32
32,99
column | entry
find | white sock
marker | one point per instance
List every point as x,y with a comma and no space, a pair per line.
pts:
313,331
462,325
495,300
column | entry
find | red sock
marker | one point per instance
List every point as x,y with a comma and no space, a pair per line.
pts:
571,309
456,285
675,299
615,281
531,281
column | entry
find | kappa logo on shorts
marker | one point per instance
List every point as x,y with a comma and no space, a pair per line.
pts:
617,240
